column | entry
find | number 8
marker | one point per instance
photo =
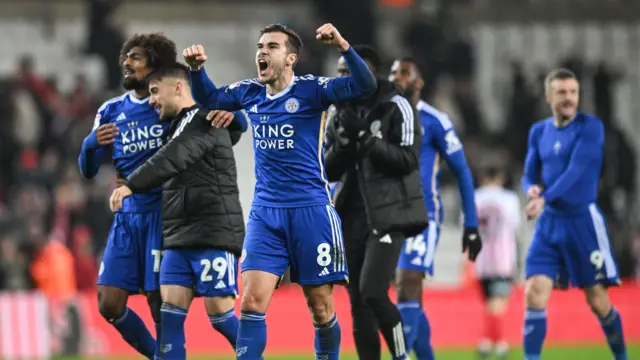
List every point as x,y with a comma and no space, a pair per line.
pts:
324,254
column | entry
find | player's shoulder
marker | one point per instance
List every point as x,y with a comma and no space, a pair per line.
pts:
432,116
589,120
114,103
246,86
539,125
313,81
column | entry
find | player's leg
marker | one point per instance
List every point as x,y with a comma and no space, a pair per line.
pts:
542,265
416,261
592,267
365,328
176,287
118,277
264,260
381,258
496,300
152,233
319,261
216,280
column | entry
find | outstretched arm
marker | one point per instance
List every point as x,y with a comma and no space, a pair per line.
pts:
531,174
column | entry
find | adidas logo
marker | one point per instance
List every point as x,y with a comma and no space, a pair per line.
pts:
121,117
221,285
241,351
324,272
386,239
253,109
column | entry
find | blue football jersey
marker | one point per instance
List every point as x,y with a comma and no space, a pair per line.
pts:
439,142
141,135
288,136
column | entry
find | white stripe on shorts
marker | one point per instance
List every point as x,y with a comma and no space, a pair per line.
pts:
432,241
603,242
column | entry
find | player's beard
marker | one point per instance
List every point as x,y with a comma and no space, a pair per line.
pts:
134,84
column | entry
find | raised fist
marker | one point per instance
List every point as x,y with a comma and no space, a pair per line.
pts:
194,56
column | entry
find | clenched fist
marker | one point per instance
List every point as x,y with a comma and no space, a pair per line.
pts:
194,56
329,35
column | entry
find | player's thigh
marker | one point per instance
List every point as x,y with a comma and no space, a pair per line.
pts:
265,246
496,292
120,261
587,251
380,260
176,276
544,257
219,305
216,273
151,235
418,252
316,246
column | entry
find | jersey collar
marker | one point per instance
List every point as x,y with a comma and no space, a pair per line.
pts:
136,100
283,92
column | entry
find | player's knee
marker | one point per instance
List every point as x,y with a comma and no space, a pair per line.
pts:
598,300
253,301
409,285
155,303
111,304
537,291
320,303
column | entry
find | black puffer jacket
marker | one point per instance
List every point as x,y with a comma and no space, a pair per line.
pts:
200,198
383,165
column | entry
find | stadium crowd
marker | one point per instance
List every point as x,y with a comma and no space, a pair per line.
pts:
43,198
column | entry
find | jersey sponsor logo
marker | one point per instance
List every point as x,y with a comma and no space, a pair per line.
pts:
273,137
136,139
292,105
453,143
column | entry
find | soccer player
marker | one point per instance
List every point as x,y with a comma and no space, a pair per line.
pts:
131,261
570,242
439,142
292,221
499,219
203,225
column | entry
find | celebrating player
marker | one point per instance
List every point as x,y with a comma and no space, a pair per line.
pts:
203,225
291,222
416,260
499,219
131,260
570,241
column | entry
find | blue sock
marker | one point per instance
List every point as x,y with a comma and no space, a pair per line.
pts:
410,312
422,345
158,338
252,335
327,341
135,333
612,327
535,330
226,324
172,344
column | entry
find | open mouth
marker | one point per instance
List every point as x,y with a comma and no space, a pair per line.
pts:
128,72
263,66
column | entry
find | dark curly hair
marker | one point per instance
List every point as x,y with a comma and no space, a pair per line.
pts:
159,49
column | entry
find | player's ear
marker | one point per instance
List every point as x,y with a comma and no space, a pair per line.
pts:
291,59
419,84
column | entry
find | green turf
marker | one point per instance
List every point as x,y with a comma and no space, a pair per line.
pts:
552,353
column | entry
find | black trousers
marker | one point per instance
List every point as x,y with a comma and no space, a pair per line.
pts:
372,260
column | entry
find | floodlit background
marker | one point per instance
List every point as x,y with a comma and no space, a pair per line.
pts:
484,59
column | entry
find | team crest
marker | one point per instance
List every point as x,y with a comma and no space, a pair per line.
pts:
292,105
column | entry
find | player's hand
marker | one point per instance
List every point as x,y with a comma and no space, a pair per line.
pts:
534,192
106,133
329,35
471,243
118,195
534,207
220,118
354,126
195,57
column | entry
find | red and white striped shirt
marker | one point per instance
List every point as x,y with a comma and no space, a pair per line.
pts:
498,222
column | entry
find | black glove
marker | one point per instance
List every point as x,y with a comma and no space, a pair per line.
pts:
354,126
471,242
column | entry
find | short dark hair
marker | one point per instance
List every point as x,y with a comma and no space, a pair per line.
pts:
415,63
294,42
492,171
558,74
159,49
174,70
369,54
